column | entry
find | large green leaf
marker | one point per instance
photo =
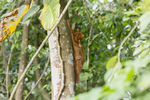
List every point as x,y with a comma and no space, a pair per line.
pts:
94,94
144,4
144,20
137,50
111,62
30,12
50,14
84,76
85,66
145,53
143,82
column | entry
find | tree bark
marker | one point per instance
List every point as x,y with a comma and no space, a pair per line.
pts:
23,59
67,56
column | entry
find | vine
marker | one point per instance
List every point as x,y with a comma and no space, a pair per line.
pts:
62,65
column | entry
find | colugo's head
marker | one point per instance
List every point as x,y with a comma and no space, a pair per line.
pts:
79,34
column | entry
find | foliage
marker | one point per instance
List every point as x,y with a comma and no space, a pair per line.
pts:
144,20
111,62
132,82
111,25
34,8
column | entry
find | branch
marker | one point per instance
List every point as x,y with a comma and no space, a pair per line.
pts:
7,72
87,12
38,79
6,64
44,41
119,51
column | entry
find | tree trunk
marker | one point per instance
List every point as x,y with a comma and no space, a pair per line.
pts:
66,54
44,93
23,59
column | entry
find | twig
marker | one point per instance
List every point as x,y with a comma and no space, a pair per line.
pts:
6,69
119,51
7,72
38,79
38,30
87,12
44,41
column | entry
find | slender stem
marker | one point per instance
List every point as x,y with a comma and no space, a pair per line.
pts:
5,64
38,30
7,72
44,41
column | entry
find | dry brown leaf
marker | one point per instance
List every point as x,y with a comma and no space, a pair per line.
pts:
5,30
1,29
13,13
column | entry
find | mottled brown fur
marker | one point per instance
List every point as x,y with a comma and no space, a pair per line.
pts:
78,51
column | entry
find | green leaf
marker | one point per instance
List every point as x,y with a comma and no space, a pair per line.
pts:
50,14
44,87
26,22
10,87
108,74
30,12
92,95
129,73
95,36
138,63
111,62
13,46
146,97
85,76
130,13
144,82
144,21
137,50
89,43
117,69
85,66
145,53
125,19
144,5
